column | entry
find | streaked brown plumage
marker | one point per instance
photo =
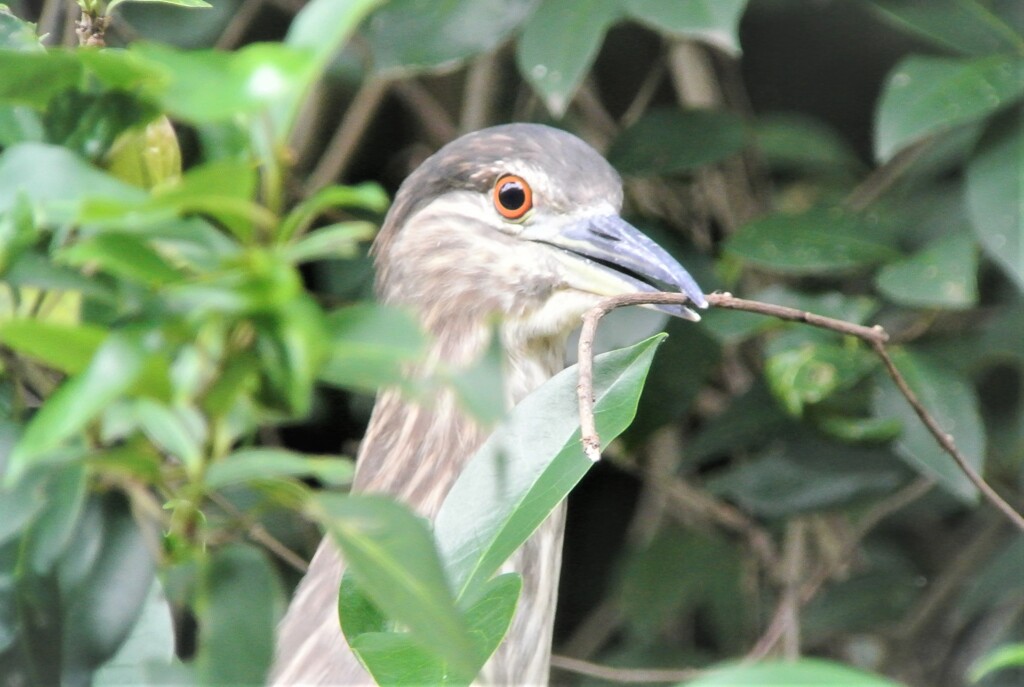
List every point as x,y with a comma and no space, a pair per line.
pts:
446,252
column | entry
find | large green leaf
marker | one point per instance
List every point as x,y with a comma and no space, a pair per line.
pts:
33,78
926,95
802,373
394,658
819,241
954,404
966,26
529,464
669,141
805,672
942,275
151,641
240,602
409,35
712,21
391,553
104,604
56,180
559,44
995,194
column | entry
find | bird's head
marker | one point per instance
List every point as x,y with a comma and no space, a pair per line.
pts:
519,222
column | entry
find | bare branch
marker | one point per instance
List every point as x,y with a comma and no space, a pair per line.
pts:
875,336
631,675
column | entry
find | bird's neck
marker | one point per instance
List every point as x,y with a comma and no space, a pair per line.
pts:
415,449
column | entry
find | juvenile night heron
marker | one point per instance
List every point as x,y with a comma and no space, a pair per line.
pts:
516,225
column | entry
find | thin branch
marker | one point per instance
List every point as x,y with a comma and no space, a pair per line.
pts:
630,675
946,441
437,123
259,534
875,336
348,135
478,101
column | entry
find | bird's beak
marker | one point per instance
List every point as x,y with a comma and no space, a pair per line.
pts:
607,256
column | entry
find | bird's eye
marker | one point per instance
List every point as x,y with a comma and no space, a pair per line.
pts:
512,196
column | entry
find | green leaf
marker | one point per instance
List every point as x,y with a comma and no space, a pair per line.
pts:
246,465
56,180
804,672
115,367
392,556
942,275
64,347
240,602
715,22
521,474
819,241
179,3
370,346
104,605
953,403
363,196
127,257
797,142
330,242
33,78
16,34
212,86
88,123
1006,656
995,194
966,26
53,529
670,141
411,35
927,95
394,658
19,124
151,641
325,25
805,474
808,373
173,431
559,44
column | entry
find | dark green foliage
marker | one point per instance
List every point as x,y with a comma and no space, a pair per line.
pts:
176,344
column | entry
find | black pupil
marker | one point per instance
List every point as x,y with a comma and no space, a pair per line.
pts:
511,195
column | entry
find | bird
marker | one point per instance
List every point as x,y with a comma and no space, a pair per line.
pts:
512,231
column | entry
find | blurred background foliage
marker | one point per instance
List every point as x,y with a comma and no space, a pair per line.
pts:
193,336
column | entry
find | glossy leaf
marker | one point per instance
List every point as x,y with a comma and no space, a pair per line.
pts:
713,21
804,672
16,34
51,532
954,404
240,603
151,641
966,26
1006,656
559,44
927,95
246,465
672,141
942,275
104,605
529,464
392,556
995,195
411,35
112,371
816,242
33,78
324,25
